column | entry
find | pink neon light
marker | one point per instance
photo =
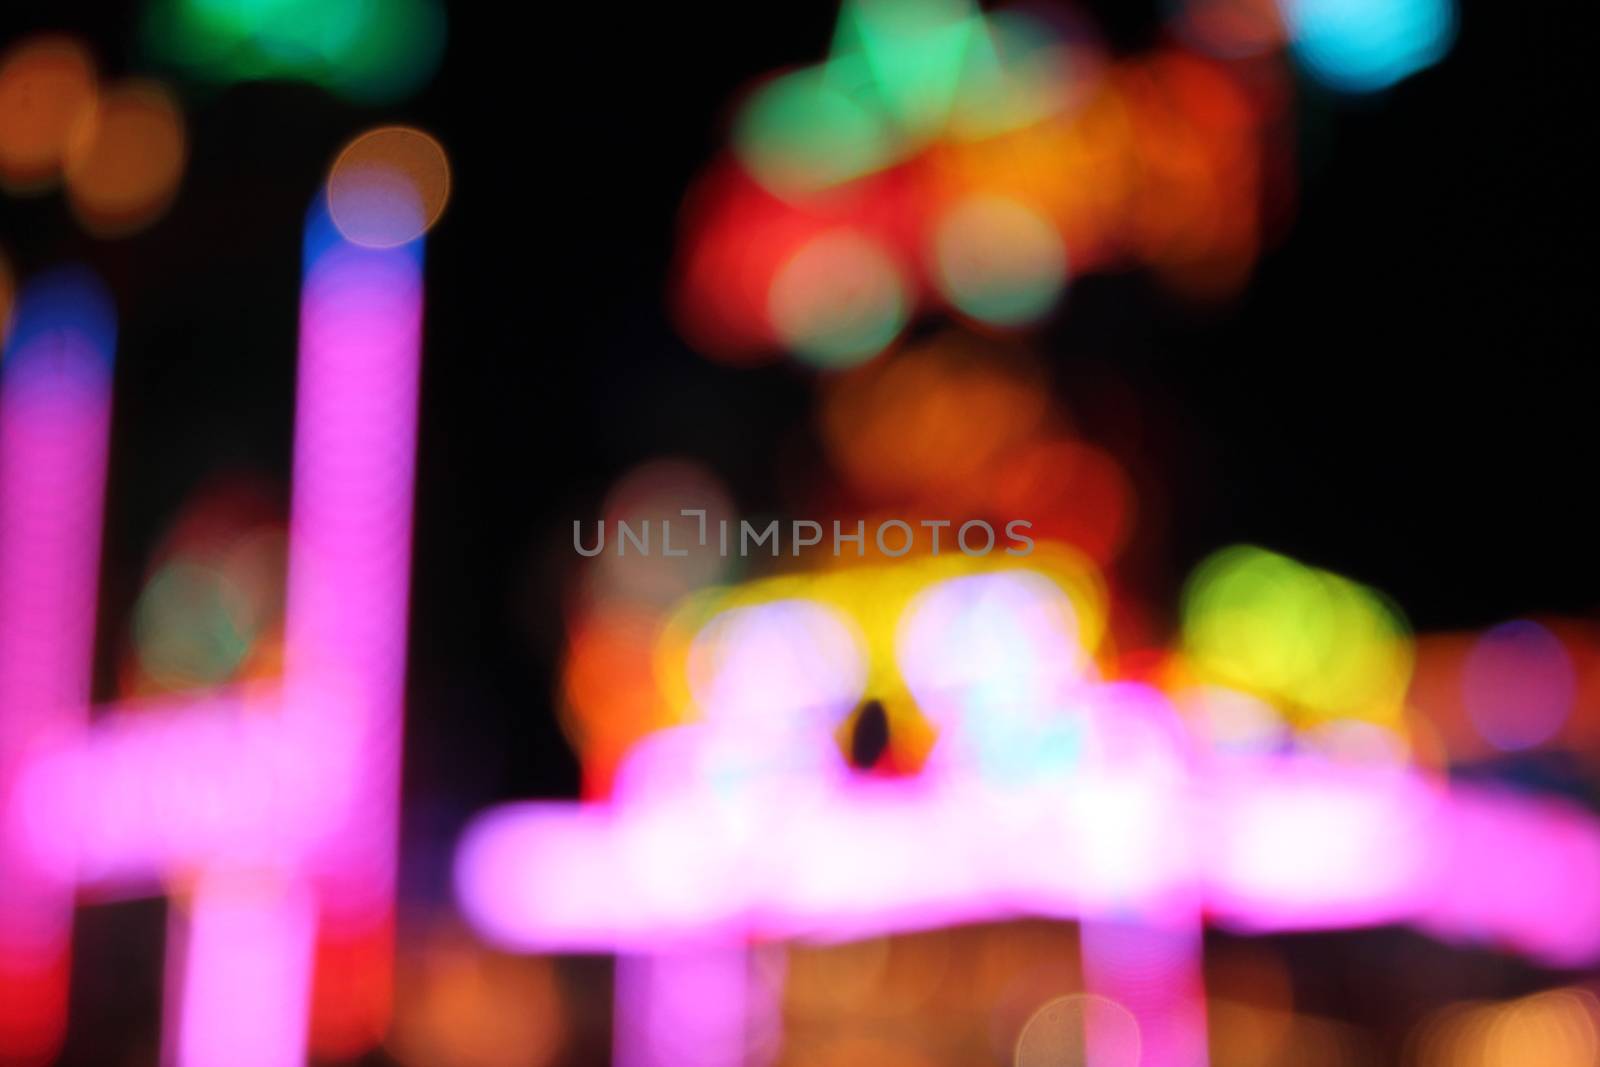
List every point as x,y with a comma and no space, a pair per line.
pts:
879,857
55,412
689,1007
274,810
1056,795
349,577
1154,972
168,787
246,979
350,546
1050,793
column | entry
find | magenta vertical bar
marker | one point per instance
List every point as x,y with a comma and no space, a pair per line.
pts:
245,986
55,415
343,689
689,1007
349,585
1153,969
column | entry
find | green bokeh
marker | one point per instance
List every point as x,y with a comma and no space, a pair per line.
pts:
368,51
192,626
1322,644
915,50
804,131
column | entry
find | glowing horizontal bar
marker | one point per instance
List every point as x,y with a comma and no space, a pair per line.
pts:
166,787
1288,844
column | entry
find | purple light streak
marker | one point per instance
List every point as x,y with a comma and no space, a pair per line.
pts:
55,415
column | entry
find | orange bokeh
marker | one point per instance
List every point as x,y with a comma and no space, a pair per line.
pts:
611,697
388,186
47,86
925,425
1071,491
124,160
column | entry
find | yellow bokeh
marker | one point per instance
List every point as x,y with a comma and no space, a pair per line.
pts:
1319,645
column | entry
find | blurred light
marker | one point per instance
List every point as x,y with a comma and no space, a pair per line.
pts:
192,626
994,660
1197,158
1309,846
1355,741
1017,967
614,688
1518,685
368,51
246,978
276,811
610,696
1151,970
211,610
827,981
1000,148
1290,843
688,1007
1231,28
47,85
901,74
1080,1030
273,812
1362,46
1438,696
1018,72
388,186
650,497
869,1051
55,415
802,132
125,159
462,1005
873,602
736,236
909,53
1556,1028
1322,644
349,571
840,300
929,424
1231,722
1072,492
777,671
999,260
1448,706
1245,1035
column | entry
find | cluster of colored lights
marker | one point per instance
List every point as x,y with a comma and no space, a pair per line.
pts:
1051,787
1275,766
119,149
1281,763
946,159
